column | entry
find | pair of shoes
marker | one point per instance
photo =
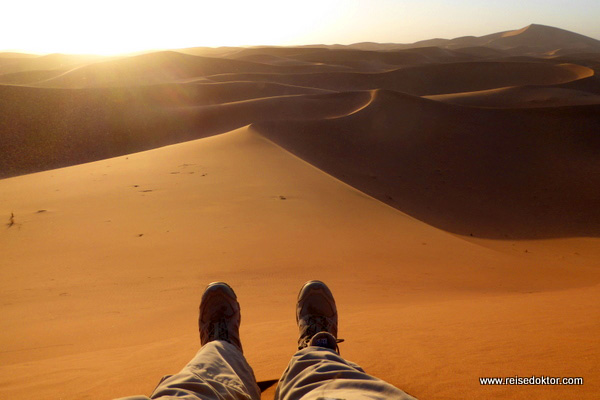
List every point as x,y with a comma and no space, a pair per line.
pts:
316,315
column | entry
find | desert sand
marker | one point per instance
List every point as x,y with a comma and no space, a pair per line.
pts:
448,193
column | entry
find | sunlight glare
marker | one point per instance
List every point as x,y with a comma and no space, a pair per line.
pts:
118,26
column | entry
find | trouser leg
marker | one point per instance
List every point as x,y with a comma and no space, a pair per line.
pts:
318,372
219,371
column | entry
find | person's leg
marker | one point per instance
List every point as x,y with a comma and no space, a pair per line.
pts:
219,370
317,371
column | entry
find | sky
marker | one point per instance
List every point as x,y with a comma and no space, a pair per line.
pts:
120,26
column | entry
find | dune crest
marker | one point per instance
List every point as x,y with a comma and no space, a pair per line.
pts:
520,97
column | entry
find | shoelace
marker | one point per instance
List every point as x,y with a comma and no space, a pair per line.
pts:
219,330
314,325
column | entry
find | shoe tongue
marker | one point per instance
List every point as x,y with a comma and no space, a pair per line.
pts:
323,339
321,342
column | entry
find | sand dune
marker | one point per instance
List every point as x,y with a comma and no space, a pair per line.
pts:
590,60
540,37
377,60
532,39
270,59
76,126
459,231
429,79
209,51
12,64
9,54
29,77
520,97
490,173
287,52
125,246
590,85
481,52
162,67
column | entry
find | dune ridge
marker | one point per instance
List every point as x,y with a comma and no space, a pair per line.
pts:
166,66
428,79
520,97
83,125
28,62
532,39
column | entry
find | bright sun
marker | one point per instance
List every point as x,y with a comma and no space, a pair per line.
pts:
122,26
119,26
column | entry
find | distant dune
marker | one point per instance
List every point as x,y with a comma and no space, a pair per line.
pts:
532,39
490,173
521,96
10,63
448,192
8,54
76,126
430,78
589,85
167,66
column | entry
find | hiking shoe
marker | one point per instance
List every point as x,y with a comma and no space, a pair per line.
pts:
316,312
219,317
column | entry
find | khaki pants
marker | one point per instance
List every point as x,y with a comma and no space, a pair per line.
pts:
219,371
